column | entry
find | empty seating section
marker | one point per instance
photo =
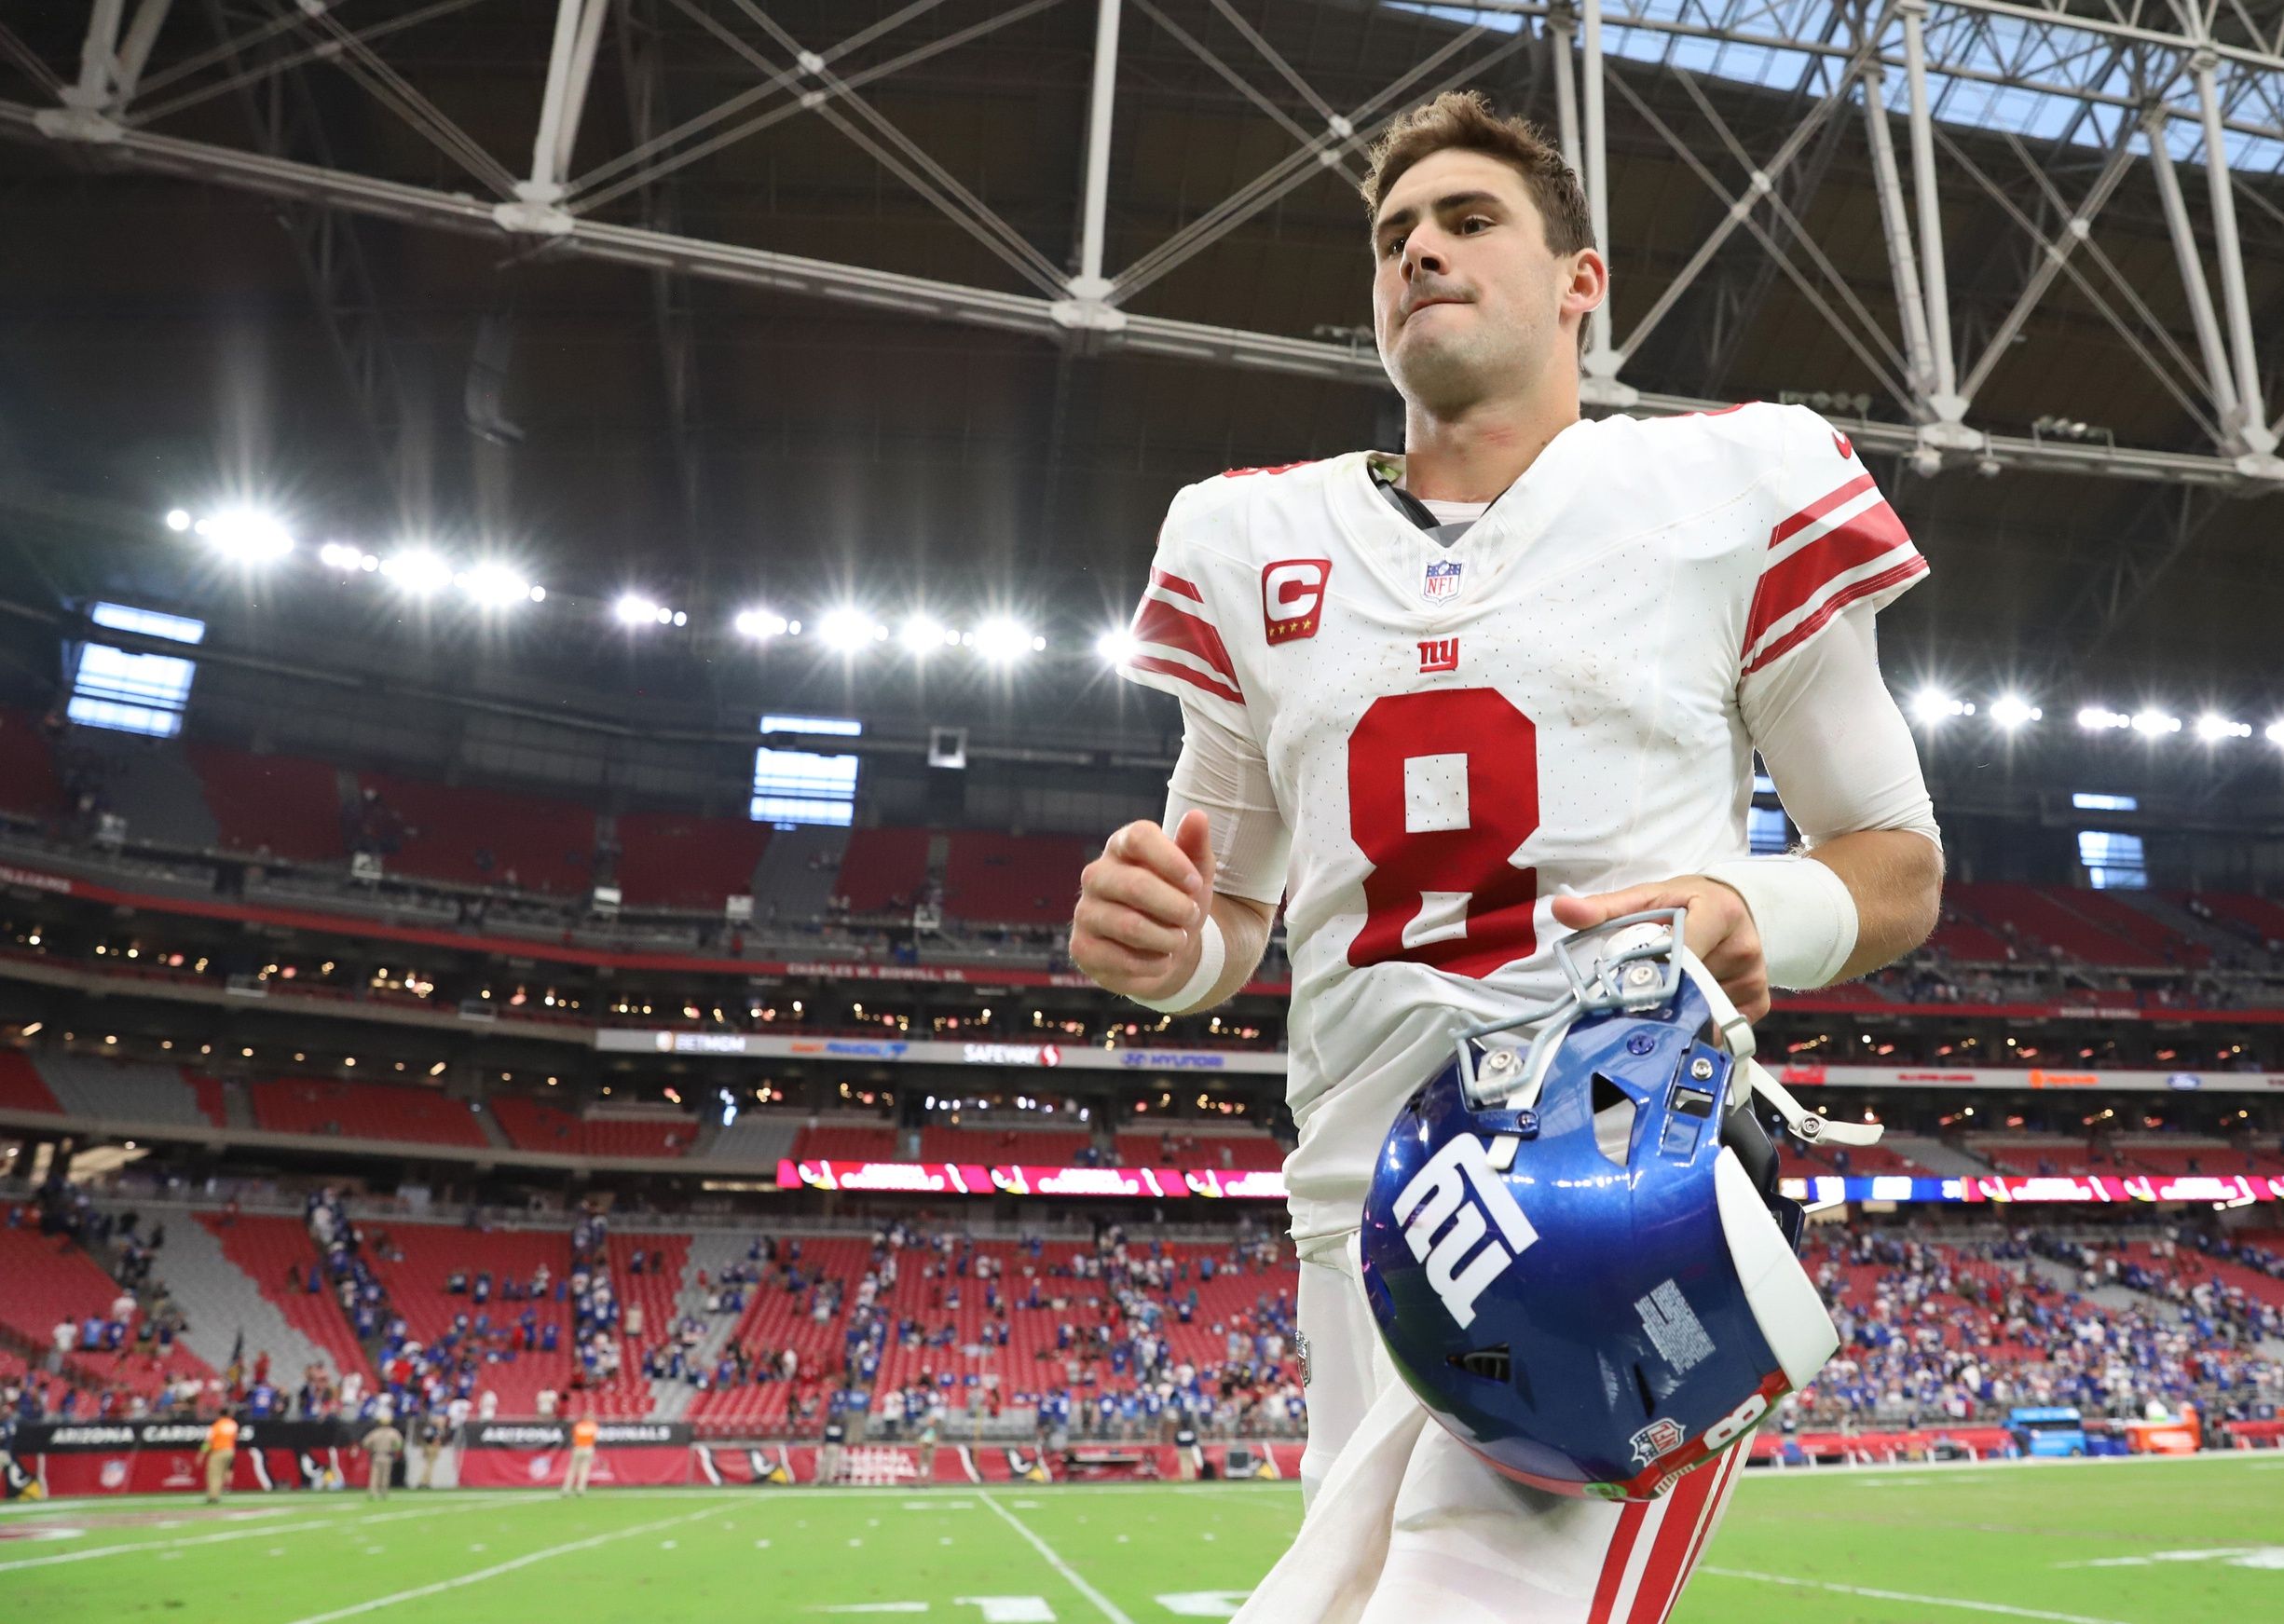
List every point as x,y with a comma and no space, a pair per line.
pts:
666,860
1963,939
776,1319
486,836
1243,1153
122,1090
2146,930
276,1255
1030,1146
2033,1156
1856,1161
28,786
843,1143
362,1111
2042,919
882,869
49,1280
287,805
995,879
2252,916
533,1124
21,1087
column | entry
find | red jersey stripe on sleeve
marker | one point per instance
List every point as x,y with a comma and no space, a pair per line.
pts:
1614,1559
1819,508
1909,569
1188,674
1793,584
1167,581
1160,622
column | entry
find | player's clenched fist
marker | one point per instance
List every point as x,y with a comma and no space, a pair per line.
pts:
1141,907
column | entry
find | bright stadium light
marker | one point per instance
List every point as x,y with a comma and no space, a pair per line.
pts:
1001,640
1115,646
2012,711
845,630
494,586
342,556
760,624
419,571
2212,728
245,535
2274,734
2096,719
634,609
2154,724
1932,705
920,635
178,520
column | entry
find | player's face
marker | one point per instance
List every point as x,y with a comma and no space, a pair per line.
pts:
1468,300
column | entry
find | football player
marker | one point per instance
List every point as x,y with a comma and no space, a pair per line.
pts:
1451,704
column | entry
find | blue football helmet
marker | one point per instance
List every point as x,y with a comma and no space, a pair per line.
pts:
1576,1250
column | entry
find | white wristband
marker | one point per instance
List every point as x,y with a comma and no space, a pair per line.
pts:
1212,954
1805,914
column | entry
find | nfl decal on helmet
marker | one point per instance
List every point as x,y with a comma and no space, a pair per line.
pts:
1575,1249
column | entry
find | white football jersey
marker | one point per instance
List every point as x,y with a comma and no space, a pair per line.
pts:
1456,734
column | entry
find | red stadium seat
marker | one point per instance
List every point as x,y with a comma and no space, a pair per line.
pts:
362,1111
882,869
1018,880
288,805
671,860
446,830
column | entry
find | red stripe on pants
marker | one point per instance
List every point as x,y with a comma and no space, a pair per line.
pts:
1630,1518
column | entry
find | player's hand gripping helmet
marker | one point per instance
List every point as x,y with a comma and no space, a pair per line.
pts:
1576,1250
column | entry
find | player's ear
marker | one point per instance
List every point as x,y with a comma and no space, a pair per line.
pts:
1588,285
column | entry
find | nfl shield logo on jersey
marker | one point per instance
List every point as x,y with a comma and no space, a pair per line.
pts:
1443,582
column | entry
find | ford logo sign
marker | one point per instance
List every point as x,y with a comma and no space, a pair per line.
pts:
2183,1081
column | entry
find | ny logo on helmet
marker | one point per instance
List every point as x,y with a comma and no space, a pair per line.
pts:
1448,1233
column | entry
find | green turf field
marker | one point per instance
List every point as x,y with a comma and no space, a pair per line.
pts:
2128,1542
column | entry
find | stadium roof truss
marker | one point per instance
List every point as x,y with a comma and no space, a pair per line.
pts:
2180,87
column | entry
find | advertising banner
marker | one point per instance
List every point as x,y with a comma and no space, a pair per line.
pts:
972,1179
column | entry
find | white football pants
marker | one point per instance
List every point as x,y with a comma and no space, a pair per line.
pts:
1403,1523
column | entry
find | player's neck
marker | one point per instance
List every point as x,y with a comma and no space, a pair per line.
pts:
1473,457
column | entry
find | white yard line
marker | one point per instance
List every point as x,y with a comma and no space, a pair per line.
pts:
1919,1601
1102,1603
441,1585
255,1530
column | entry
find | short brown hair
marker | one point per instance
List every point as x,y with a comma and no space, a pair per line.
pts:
1464,120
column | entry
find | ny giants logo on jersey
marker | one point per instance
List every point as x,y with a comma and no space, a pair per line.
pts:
1438,654
1463,1259
1292,598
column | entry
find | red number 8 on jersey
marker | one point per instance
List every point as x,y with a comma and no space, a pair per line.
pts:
1443,791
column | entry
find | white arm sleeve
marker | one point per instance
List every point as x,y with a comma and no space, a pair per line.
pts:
1838,747
1222,773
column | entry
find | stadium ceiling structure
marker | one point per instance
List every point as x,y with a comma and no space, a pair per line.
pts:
2190,94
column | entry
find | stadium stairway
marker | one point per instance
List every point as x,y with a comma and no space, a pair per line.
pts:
222,1300
751,1140
2117,1298
151,785
494,1134
798,871
711,1251
2167,910
262,1250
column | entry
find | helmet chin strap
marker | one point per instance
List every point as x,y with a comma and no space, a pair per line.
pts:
1808,1127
